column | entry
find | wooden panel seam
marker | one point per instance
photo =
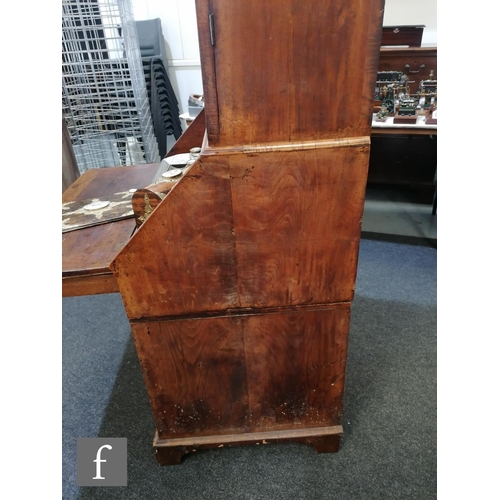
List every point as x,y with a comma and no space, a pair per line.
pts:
244,311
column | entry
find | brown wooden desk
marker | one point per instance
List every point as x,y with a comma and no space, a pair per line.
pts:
87,253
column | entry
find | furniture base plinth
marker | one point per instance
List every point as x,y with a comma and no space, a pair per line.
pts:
172,451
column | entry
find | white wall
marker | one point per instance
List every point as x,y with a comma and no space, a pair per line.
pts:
178,19
178,23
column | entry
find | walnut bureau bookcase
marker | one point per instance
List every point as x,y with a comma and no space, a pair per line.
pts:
238,287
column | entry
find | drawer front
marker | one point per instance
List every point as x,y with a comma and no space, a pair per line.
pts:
250,373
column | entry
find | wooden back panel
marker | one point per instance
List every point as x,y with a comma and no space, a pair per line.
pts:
308,74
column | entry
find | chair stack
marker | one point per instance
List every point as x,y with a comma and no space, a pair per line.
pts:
162,99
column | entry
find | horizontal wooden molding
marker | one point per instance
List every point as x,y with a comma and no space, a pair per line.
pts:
245,311
287,146
250,437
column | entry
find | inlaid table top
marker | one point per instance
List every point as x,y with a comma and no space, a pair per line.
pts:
88,252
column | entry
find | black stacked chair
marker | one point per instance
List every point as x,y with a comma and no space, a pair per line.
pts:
162,99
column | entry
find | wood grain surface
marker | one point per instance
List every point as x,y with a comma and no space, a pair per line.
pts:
295,367
203,12
241,373
182,259
194,371
192,137
90,250
100,182
307,74
297,224
89,284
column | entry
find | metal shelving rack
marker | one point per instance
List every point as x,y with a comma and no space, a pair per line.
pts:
104,95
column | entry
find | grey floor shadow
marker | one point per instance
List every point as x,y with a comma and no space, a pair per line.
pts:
389,445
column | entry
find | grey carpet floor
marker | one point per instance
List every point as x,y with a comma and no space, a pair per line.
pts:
388,450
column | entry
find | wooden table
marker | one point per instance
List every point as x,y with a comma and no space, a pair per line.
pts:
87,253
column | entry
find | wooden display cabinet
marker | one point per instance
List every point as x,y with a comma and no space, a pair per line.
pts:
239,285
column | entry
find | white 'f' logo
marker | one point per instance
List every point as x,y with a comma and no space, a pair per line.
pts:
98,461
